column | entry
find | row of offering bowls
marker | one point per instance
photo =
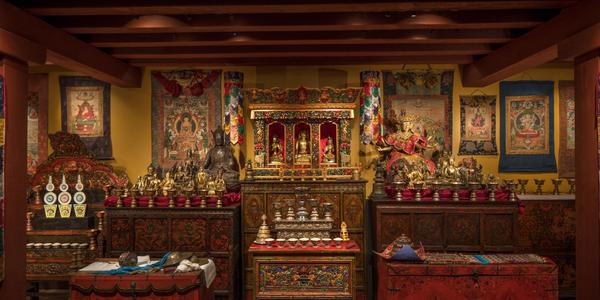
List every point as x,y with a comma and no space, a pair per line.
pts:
437,185
304,242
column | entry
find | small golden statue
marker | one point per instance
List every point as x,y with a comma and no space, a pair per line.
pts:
201,180
302,149
167,184
211,186
344,232
155,183
329,151
276,154
139,184
220,183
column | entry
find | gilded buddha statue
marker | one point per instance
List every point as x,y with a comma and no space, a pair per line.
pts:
302,149
220,157
329,151
167,184
276,152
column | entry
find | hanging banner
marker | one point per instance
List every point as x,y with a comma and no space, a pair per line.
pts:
234,109
37,121
370,107
566,152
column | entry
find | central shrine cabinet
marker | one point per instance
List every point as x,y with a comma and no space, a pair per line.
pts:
348,205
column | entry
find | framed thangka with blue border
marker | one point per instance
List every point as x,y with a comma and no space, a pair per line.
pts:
477,125
85,111
527,126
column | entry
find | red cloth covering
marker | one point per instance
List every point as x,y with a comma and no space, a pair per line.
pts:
396,280
185,286
179,201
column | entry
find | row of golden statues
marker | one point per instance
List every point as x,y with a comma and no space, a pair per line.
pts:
218,174
302,152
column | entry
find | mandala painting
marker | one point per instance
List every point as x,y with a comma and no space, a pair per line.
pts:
185,109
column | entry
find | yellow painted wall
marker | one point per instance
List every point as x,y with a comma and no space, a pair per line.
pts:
131,113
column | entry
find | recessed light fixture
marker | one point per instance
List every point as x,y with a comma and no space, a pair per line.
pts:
155,21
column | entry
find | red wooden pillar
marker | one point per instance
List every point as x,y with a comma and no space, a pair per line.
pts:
15,178
587,205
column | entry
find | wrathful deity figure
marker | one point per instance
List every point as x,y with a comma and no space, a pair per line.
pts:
220,158
302,149
276,152
407,147
329,151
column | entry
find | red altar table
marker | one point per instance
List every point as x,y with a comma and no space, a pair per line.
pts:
525,281
324,272
184,286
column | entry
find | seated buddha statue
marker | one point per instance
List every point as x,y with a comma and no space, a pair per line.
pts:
220,157
329,151
167,184
155,183
276,154
302,149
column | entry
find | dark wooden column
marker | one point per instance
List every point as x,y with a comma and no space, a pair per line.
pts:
587,69
15,178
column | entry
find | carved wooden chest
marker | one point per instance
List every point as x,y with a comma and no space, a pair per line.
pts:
209,232
480,226
303,272
347,197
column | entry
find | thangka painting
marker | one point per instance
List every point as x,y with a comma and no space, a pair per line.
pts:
186,107
424,95
477,125
37,121
429,115
2,106
566,153
85,106
527,126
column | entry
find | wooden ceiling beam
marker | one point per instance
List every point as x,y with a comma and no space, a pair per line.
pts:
536,47
314,54
581,43
467,48
99,8
23,49
478,20
301,61
289,39
66,50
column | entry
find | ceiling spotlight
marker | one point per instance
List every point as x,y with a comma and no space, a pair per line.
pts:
154,21
413,14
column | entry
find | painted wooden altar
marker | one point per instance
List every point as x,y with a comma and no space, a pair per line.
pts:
347,197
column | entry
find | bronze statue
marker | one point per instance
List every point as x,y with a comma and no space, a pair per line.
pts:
302,149
220,157
329,151
276,154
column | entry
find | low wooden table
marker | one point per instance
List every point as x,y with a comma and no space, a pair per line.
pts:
184,286
304,272
529,281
